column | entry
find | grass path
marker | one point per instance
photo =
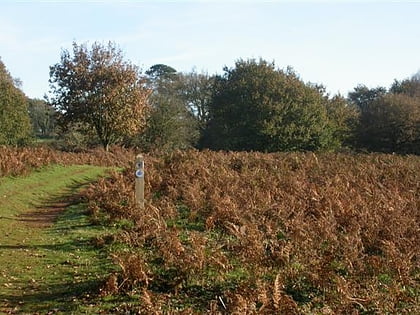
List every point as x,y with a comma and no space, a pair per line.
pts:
47,262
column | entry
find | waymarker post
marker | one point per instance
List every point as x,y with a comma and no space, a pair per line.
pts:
140,180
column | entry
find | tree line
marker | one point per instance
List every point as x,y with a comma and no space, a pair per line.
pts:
99,98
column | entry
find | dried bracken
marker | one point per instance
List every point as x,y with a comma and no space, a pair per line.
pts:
254,233
20,161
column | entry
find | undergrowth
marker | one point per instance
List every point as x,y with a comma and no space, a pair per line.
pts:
253,233
21,161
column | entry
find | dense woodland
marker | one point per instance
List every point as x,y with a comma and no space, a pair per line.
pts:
98,98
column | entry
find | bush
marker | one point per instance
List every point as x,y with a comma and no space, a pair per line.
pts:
257,107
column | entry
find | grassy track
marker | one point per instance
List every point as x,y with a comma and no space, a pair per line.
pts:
47,261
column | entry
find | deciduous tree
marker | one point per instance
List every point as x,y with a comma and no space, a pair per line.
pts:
258,107
42,117
97,88
389,120
392,124
170,125
362,96
196,90
410,87
15,126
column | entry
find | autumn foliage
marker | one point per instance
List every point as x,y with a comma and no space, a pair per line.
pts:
253,233
97,89
20,161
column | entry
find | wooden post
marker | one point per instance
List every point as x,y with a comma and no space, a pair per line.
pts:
140,180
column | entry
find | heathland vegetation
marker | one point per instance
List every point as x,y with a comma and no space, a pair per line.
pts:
244,233
264,194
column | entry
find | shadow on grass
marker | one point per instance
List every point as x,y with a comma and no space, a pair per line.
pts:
48,210
70,246
63,297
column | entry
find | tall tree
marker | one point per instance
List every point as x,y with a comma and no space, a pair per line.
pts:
409,87
98,89
389,120
362,96
258,107
14,120
169,125
161,72
197,90
42,117
344,118
392,124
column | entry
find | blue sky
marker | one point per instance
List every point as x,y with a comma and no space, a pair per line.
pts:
339,44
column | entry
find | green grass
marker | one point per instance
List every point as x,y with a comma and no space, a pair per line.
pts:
55,267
